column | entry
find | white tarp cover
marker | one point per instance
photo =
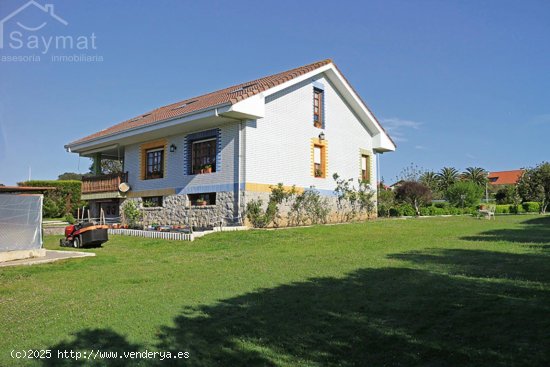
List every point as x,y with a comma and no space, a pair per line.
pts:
20,222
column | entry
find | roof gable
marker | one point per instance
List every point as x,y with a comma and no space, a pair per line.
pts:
234,96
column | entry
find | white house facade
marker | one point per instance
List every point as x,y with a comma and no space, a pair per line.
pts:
199,161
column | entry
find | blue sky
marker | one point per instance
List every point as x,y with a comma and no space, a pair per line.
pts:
457,83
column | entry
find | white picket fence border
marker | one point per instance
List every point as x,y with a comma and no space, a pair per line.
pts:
153,234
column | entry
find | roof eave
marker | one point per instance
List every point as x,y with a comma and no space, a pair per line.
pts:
77,146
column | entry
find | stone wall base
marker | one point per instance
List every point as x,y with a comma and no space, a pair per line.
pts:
177,211
335,215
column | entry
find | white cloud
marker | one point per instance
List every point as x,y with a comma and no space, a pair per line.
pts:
420,147
397,128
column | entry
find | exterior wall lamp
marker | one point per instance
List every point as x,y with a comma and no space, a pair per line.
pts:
173,148
322,136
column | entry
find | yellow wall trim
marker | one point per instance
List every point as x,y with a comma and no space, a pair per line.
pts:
324,152
259,187
370,163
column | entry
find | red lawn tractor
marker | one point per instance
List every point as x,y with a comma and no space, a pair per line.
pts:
85,235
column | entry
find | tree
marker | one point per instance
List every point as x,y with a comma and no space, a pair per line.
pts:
508,195
70,176
109,166
476,175
429,178
414,193
464,193
534,185
447,177
410,173
385,202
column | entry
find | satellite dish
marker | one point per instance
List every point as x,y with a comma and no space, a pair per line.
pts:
124,187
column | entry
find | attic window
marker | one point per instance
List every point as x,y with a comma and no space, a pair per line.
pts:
184,105
139,117
240,89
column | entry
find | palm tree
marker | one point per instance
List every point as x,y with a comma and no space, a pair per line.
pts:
476,175
447,177
429,178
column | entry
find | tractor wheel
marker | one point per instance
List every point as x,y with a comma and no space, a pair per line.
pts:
77,242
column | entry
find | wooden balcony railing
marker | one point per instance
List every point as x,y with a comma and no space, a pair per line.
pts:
103,183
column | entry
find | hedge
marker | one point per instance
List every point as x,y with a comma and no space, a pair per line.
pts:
446,209
61,201
527,207
436,209
531,207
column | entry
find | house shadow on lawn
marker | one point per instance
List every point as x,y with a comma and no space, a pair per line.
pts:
482,264
371,317
534,232
89,341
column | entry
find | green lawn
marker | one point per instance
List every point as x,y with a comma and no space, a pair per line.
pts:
429,292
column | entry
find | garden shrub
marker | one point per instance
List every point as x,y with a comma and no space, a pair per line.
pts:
403,210
386,199
531,207
464,193
502,209
309,207
131,214
516,209
260,218
439,211
408,210
50,209
69,218
425,211
353,201
257,216
395,212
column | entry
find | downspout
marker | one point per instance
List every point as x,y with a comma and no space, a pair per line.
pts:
242,167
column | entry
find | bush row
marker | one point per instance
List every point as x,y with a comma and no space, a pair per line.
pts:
528,207
447,209
408,210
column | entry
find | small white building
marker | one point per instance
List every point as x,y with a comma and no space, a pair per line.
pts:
227,147
20,223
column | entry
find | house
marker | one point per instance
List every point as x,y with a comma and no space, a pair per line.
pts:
200,160
505,177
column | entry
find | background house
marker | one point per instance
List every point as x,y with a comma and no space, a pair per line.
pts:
200,160
499,178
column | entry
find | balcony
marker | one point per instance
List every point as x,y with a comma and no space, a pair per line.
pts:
103,183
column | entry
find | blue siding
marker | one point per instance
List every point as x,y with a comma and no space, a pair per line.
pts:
176,175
